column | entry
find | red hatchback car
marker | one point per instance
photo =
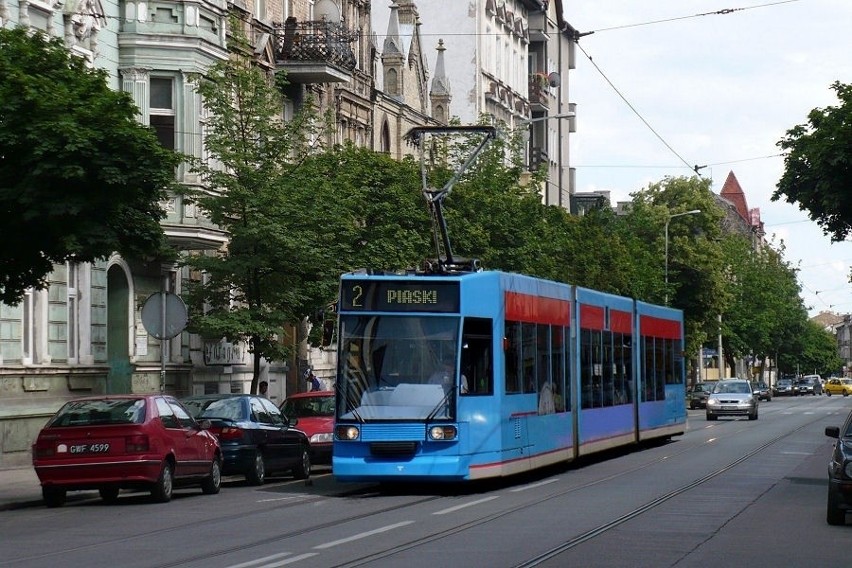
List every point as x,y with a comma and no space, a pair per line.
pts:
314,412
116,442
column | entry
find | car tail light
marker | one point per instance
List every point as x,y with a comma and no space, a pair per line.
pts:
44,449
230,433
136,444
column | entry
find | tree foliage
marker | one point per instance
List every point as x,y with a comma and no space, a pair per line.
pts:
80,177
818,165
280,261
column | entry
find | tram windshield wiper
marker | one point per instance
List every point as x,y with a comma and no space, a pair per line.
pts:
444,403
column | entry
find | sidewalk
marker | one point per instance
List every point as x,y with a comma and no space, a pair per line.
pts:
19,487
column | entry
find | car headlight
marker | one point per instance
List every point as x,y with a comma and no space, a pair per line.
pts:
323,437
347,433
712,402
443,433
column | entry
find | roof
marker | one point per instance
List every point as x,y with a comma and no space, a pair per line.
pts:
734,194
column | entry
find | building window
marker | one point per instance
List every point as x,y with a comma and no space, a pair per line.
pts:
73,312
162,110
27,327
260,9
392,82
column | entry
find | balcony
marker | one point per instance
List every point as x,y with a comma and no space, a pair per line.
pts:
539,90
317,51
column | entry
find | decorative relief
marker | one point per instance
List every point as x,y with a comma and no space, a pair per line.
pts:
86,17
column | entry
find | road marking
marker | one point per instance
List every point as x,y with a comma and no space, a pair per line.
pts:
289,498
362,535
457,507
260,560
291,560
534,485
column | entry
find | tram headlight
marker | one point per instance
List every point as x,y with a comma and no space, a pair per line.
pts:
443,432
347,433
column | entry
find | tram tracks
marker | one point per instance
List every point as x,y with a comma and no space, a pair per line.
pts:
588,535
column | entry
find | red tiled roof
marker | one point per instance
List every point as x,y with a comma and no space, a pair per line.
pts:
733,193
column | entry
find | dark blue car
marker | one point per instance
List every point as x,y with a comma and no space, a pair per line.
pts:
256,439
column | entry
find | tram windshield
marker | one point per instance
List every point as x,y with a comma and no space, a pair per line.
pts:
397,367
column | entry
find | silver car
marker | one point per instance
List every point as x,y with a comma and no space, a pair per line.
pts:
732,397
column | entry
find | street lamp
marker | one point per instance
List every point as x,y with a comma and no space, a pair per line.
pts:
670,217
569,114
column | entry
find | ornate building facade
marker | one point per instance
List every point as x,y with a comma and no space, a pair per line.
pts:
84,333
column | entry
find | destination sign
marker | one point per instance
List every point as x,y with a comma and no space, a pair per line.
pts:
399,296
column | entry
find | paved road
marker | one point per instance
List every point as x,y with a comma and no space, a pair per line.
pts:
732,492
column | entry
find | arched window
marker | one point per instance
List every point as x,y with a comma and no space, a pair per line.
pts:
392,82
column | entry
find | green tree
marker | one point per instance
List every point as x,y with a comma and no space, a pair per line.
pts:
765,300
80,177
817,351
818,165
280,263
696,272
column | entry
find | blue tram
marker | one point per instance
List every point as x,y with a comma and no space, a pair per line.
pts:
487,374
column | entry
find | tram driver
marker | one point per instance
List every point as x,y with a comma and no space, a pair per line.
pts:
443,376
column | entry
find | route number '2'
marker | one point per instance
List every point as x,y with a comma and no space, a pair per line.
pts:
357,296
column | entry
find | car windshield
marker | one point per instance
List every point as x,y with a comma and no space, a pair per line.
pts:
732,387
308,406
100,412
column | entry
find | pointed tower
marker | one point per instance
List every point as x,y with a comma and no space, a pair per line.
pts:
734,194
393,58
440,93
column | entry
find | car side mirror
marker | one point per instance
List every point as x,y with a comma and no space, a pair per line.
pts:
832,431
205,424
292,421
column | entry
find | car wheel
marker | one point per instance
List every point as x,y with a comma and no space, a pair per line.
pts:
213,482
257,474
303,470
53,496
834,515
109,494
161,492
845,393
753,416
829,393
711,416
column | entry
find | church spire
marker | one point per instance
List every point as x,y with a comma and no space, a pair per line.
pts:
440,94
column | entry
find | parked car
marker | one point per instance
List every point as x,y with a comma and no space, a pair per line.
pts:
256,439
838,386
840,473
784,387
809,384
761,390
313,413
696,395
732,397
119,442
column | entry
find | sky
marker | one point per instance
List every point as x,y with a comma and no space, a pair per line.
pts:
714,90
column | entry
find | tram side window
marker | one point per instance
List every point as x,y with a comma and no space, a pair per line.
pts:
529,357
677,374
560,371
661,366
512,351
476,356
591,368
622,368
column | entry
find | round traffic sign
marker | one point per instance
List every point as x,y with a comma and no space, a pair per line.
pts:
164,324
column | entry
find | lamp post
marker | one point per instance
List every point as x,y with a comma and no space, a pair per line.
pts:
670,217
